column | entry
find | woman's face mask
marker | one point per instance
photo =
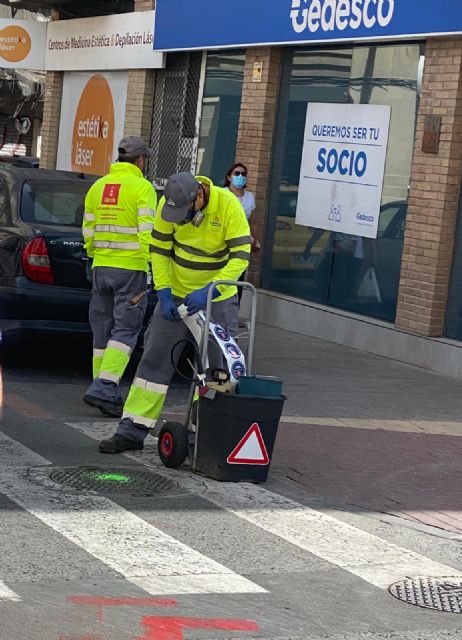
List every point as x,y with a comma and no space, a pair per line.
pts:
239,181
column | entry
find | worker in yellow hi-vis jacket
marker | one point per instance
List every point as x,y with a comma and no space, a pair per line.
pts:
201,235
117,227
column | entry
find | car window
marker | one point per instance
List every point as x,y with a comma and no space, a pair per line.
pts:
287,205
54,202
392,221
398,225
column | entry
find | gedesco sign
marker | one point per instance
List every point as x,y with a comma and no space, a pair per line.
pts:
284,22
338,15
273,22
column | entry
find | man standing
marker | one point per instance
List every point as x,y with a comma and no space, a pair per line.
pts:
201,235
117,226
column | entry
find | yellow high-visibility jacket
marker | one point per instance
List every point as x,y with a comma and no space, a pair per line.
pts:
186,258
119,218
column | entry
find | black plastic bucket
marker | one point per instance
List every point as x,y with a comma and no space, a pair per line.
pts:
236,436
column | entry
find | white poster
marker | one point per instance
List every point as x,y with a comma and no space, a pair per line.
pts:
22,44
343,164
92,120
118,41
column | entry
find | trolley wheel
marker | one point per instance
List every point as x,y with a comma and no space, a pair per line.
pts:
173,444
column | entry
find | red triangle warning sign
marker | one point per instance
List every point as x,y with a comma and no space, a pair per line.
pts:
251,449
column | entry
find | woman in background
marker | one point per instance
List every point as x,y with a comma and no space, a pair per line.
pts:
236,182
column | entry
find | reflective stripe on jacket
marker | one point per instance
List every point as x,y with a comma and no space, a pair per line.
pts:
119,218
186,258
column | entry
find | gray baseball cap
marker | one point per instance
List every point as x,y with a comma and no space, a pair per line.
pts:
180,192
133,147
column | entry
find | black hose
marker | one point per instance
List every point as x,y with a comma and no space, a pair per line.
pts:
197,359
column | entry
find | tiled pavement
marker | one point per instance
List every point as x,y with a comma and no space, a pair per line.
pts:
416,476
367,431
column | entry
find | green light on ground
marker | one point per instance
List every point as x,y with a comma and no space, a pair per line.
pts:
110,477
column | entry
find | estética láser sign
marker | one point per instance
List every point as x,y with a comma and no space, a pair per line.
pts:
343,166
300,21
22,44
119,41
92,120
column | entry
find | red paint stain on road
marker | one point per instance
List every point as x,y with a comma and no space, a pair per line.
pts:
164,628
100,602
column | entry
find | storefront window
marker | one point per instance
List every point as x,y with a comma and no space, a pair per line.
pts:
220,114
22,94
349,272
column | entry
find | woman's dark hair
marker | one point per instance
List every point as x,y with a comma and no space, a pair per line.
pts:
231,169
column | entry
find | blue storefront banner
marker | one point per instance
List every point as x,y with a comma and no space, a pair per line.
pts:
207,24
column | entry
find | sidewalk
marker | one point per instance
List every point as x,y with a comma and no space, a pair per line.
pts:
366,431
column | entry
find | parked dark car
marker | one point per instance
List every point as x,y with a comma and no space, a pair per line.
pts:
44,284
43,271
26,162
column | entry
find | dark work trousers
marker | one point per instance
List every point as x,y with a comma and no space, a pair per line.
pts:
155,371
116,325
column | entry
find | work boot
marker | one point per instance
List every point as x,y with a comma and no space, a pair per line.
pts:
112,409
118,444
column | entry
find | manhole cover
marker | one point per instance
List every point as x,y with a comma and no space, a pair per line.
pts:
442,594
120,480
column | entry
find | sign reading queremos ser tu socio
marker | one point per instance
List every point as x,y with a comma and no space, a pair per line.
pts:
119,41
298,21
343,164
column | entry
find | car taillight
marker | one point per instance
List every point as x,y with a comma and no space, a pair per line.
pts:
36,262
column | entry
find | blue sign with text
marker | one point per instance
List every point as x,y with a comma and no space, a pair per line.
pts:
204,24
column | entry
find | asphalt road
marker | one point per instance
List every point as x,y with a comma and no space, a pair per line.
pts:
197,559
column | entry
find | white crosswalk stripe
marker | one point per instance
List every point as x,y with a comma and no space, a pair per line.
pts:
7,594
362,554
138,551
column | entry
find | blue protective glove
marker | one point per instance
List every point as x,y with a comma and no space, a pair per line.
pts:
168,307
197,300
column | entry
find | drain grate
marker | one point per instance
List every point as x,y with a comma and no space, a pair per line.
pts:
441,594
118,481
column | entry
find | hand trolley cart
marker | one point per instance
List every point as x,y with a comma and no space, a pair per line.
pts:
227,434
